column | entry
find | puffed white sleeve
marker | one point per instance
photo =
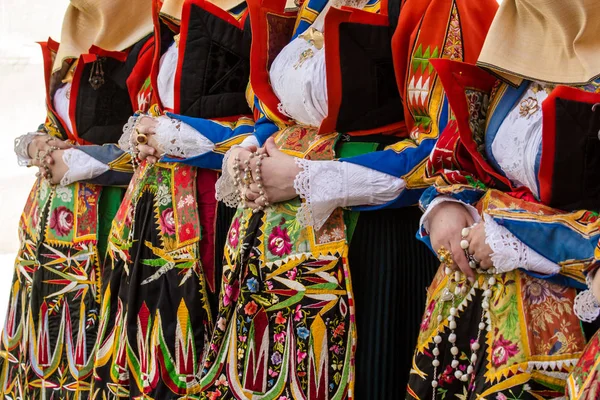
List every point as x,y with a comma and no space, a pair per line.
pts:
327,185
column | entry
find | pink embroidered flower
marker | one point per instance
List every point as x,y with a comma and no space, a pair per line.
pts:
501,396
502,350
279,337
291,274
221,324
251,308
231,294
427,316
269,285
283,398
336,349
187,232
234,232
280,319
61,220
273,373
300,355
279,242
298,313
167,221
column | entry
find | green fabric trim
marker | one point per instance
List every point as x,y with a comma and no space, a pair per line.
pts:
346,150
353,149
108,205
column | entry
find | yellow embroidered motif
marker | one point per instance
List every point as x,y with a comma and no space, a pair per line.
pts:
305,55
314,37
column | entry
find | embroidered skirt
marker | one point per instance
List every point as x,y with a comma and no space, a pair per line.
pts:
584,380
49,336
530,342
156,315
301,308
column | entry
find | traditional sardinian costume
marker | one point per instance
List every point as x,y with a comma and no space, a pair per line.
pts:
159,294
48,340
523,159
321,302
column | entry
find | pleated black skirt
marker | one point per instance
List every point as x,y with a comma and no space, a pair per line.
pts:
390,270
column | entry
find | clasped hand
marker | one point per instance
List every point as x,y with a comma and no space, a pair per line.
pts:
46,153
271,181
447,221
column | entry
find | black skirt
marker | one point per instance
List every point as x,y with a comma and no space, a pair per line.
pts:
391,270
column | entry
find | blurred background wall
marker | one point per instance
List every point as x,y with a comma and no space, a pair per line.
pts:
22,109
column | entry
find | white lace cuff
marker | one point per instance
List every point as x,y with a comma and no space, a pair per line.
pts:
225,186
178,139
125,141
442,199
586,305
327,185
81,167
509,253
22,145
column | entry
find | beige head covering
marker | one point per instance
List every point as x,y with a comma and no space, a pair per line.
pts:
112,25
556,41
172,9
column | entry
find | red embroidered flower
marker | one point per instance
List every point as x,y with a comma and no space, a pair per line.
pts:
61,220
167,221
234,232
427,317
502,350
251,308
187,232
280,319
183,177
279,242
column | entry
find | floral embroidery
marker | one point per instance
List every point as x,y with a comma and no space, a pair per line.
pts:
279,242
502,350
478,102
167,221
234,231
62,220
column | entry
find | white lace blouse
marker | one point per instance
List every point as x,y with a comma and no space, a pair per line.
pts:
515,148
298,79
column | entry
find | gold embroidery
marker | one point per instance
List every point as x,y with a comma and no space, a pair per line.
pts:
305,55
528,107
176,39
314,37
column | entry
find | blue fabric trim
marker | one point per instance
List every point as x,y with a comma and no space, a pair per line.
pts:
505,106
394,163
208,160
106,153
315,5
567,243
466,195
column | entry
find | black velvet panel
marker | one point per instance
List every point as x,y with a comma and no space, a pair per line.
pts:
216,67
394,13
101,113
576,180
370,97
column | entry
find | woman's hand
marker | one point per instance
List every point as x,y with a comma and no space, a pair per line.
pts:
242,154
150,150
41,150
277,174
478,248
56,167
446,223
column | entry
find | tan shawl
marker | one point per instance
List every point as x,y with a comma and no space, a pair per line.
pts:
112,25
555,41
